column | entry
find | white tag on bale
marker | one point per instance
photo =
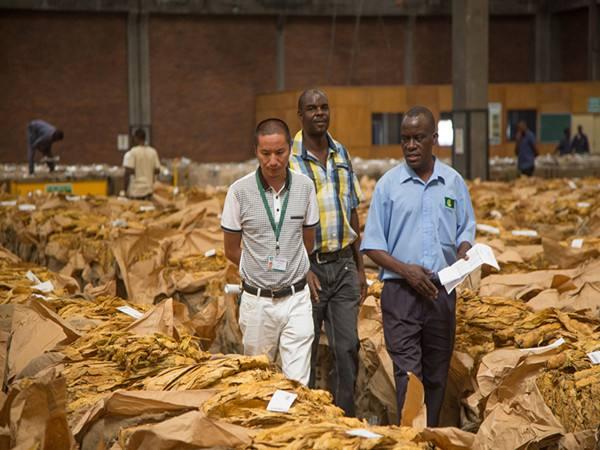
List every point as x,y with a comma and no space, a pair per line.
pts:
131,312
487,228
577,243
594,357
528,233
281,401
211,252
361,432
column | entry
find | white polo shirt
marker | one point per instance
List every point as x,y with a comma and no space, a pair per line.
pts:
244,212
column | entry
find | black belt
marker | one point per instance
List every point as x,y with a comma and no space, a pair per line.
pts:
324,258
279,293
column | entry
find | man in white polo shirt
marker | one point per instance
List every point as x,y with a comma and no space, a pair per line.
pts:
273,213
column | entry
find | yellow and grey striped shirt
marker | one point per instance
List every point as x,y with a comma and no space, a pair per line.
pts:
338,192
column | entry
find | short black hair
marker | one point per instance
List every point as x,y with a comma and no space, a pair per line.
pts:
417,111
140,133
272,125
306,93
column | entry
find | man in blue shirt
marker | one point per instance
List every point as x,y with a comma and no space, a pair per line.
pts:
40,136
420,221
580,143
526,149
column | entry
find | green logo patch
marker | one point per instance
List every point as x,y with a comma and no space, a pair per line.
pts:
449,202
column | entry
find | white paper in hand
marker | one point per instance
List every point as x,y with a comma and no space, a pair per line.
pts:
361,432
455,274
281,401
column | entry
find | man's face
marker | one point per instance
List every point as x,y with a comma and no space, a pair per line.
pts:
417,137
315,114
273,154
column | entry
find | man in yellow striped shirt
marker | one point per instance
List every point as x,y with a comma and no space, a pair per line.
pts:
337,277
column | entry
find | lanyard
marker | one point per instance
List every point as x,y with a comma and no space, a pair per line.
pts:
276,228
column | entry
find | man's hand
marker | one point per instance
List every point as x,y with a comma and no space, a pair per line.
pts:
420,280
463,248
362,283
314,285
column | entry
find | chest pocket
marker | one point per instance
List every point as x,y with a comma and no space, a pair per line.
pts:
447,226
342,176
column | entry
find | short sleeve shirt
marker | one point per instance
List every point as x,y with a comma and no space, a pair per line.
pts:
417,222
245,212
143,160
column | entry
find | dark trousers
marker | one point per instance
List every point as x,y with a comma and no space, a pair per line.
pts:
419,336
31,159
338,308
527,171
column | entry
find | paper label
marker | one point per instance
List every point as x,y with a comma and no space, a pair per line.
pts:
577,243
131,312
571,184
583,205
42,297
8,203
487,228
73,198
370,282
211,252
32,277
594,357
281,401
529,233
46,287
119,223
361,432
545,348
146,208
26,207
496,214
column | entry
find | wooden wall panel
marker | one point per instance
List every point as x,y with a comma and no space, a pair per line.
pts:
352,108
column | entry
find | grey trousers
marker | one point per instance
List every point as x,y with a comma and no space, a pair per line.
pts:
338,308
419,336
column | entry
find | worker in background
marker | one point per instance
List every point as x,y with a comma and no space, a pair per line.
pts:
272,212
564,146
40,137
141,167
580,142
421,220
525,149
337,276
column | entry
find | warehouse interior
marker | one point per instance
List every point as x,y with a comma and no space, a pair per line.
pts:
130,129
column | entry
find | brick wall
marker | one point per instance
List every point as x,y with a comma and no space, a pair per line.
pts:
433,50
205,73
573,28
512,49
70,70
319,53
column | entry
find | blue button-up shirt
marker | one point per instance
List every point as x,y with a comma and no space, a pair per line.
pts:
417,222
526,151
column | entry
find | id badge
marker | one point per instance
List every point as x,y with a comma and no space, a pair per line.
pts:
276,264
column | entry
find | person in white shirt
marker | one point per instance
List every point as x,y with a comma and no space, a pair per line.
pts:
141,166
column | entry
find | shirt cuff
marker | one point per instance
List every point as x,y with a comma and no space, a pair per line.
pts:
230,230
311,226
